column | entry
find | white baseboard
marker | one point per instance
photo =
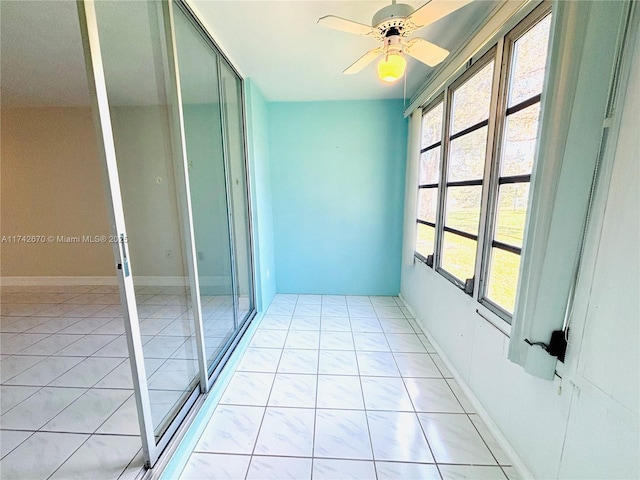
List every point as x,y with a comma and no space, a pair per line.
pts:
158,281
516,461
215,284
215,281
143,280
56,281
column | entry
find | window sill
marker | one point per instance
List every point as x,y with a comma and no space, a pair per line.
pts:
493,319
419,258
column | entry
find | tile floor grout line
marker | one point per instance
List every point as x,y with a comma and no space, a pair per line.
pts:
16,446
373,455
414,407
264,413
482,437
315,410
415,412
389,326
47,336
103,422
67,459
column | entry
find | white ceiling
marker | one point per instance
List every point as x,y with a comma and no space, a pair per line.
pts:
279,45
42,62
276,43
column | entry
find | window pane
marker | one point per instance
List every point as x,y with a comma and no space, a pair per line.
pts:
503,278
432,126
458,255
529,58
512,212
463,208
466,156
471,101
520,138
425,238
430,166
427,204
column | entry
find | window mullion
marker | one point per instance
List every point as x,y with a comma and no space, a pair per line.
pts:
444,152
422,251
430,147
505,258
524,104
491,172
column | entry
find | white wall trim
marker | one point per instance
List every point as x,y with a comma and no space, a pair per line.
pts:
577,319
146,281
215,281
160,281
56,281
502,441
411,189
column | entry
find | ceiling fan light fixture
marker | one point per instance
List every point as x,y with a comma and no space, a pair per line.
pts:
391,68
392,25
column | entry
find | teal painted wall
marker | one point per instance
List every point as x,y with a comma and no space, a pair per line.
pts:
261,196
203,136
337,172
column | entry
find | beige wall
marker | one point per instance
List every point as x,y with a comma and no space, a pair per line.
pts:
149,192
52,185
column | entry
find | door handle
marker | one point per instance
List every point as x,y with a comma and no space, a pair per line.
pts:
123,255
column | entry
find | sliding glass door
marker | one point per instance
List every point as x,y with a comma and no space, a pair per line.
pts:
233,120
212,112
201,110
170,117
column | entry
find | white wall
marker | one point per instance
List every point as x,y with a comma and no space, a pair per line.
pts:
586,430
605,355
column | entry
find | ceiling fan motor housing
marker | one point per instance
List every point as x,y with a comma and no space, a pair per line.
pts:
392,45
391,17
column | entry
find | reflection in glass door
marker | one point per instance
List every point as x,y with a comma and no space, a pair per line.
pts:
127,39
233,121
212,112
202,118
171,119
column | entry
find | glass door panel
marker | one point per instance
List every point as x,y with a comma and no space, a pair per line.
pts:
170,113
140,90
201,111
233,123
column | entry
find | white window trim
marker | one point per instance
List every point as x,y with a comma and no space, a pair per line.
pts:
473,69
566,157
505,52
497,50
424,111
505,18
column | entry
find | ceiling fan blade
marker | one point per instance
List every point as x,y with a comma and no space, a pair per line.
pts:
364,60
425,51
434,11
344,25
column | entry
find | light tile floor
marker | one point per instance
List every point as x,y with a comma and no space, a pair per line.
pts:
335,387
66,391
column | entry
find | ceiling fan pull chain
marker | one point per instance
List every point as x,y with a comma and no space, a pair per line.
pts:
404,94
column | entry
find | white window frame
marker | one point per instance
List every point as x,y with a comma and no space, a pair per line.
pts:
429,259
508,42
501,52
472,69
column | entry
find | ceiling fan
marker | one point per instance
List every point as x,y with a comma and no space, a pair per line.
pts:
392,25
